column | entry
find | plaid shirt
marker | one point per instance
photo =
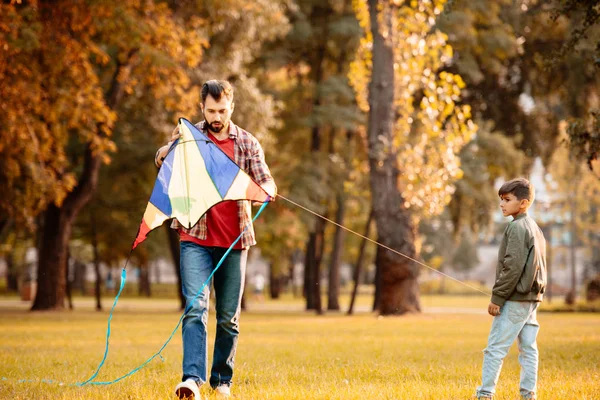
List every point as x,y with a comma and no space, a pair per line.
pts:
250,157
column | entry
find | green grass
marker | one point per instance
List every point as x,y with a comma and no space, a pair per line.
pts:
292,355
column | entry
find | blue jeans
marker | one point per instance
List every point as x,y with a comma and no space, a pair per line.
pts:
197,263
517,320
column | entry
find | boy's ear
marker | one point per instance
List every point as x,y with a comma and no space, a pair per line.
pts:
524,203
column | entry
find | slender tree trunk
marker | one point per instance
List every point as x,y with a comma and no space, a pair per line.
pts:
173,237
399,286
274,282
309,273
333,292
96,253
359,264
144,288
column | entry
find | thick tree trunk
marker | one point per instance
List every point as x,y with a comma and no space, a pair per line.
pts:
359,264
399,287
377,287
333,292
69,283
58,221
173,237
52,260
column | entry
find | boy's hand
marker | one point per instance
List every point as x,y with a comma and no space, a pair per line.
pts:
493,309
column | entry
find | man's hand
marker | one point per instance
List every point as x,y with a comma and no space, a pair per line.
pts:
175,135
493,309
163,151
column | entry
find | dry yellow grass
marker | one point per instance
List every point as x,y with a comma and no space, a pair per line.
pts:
292,355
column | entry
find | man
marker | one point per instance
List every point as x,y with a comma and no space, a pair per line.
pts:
204,244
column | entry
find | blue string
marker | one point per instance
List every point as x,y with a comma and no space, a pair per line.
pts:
133,371
123,276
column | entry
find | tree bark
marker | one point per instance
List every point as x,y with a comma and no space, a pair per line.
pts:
313,271
144,284
333,292
69,283
359,264
274,283
399,287
12,276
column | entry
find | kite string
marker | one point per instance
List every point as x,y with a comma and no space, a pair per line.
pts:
158,353
123,277
382,245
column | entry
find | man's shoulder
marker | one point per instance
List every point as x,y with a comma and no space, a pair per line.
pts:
242,133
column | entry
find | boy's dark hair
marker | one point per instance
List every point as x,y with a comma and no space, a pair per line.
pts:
520,187
216,89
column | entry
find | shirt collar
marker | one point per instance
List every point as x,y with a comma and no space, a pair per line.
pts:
520,216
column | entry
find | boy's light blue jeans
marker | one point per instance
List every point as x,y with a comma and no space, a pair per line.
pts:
197,262
517,320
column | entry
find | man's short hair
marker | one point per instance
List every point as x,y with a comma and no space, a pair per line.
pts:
216,89
520,187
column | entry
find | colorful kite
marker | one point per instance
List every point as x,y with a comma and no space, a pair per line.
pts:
195,175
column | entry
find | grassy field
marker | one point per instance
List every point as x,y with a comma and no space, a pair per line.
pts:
291,354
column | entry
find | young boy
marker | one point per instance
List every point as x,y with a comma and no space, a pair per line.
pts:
519,288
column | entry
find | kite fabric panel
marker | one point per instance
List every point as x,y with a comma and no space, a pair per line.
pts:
195,175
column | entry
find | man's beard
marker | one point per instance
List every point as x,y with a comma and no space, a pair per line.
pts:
213,128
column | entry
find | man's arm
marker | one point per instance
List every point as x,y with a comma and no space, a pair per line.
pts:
163,151
512,265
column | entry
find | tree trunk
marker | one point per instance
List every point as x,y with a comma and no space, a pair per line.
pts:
12,276
333,292
98,276
173,237
274,283
310,280
67,273
52,260
573,247
399,287
359,264
58,221
144,284
377,287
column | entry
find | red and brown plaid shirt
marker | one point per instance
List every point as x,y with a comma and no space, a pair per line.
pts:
250,157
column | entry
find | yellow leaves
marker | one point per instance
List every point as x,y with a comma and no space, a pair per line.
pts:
430,137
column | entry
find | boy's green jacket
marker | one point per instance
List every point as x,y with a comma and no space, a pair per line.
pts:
521,270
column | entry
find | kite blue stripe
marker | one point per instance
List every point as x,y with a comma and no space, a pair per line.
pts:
221,169
160,194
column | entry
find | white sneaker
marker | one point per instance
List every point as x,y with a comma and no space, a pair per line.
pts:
223,390
188,390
